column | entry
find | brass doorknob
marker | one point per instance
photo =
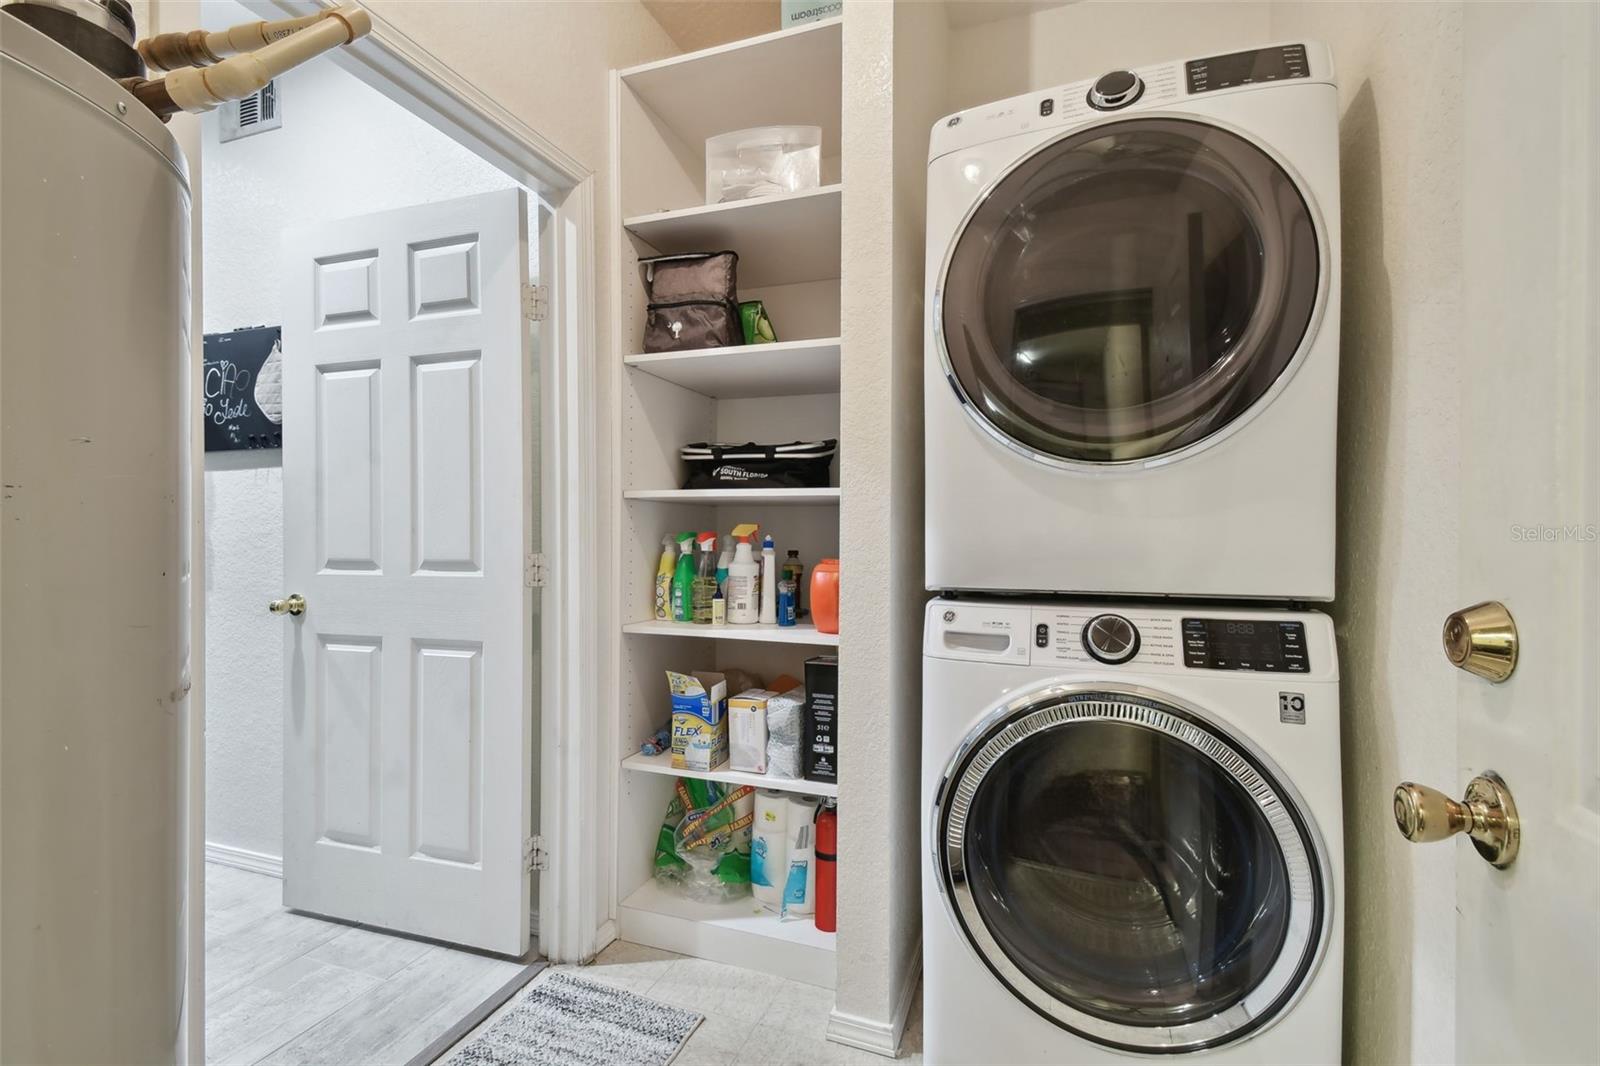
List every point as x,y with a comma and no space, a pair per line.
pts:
294,604
1487,814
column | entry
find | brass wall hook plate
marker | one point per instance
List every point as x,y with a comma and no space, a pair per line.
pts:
1482,640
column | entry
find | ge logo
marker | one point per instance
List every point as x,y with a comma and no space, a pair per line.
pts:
949,616
954,122
1292,708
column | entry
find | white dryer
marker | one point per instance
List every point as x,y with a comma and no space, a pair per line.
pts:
1132,343
1133,840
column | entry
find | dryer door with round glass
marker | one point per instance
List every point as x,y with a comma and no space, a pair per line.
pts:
1128,292
1129,870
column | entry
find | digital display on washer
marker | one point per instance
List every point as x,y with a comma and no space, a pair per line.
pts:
1247,68
1234,644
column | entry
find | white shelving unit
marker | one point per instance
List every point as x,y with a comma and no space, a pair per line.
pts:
738,496
780,239
764,633
784,368
789,390
662,764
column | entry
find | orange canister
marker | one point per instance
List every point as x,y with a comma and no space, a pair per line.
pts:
825,596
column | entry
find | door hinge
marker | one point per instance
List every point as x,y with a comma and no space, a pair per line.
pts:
535,570
535,302
534,857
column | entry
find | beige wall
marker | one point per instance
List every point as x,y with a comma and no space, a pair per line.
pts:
1400,72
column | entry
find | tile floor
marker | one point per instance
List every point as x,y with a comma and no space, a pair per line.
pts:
283,987
750,1017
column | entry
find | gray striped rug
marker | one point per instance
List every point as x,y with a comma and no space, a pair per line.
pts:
561,1020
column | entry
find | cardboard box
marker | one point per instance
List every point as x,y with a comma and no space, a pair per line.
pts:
819,747
747,730
699,720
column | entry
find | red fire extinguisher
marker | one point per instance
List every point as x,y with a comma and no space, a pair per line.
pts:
827,867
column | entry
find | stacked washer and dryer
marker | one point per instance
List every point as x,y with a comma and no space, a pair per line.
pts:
1133,841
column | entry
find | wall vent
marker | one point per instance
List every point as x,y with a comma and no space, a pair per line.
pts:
260,111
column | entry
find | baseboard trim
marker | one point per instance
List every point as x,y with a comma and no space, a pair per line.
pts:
880,1038
242,859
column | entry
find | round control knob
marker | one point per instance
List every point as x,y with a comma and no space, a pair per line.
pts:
1116,89
1111,638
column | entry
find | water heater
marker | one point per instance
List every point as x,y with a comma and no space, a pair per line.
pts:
94,528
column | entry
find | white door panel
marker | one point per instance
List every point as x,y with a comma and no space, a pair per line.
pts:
1528,937
406,450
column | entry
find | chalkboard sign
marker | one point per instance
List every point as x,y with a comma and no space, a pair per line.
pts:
243,389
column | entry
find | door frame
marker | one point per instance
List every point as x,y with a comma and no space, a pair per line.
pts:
402,70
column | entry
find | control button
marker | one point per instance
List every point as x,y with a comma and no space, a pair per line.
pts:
1047,107
1116,89
1041,635
1110,638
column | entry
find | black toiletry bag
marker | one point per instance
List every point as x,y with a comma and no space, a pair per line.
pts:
801,465
693,301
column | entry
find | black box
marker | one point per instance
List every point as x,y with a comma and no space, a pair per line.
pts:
819,749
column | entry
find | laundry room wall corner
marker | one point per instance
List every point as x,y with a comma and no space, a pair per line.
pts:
1399,68
887,105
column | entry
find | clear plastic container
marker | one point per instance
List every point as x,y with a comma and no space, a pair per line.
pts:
762,161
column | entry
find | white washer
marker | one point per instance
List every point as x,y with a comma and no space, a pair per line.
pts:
1132,343
1132,842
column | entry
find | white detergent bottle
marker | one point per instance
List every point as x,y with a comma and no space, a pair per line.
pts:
769,582
743,571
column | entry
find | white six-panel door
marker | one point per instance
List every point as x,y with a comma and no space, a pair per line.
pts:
407,767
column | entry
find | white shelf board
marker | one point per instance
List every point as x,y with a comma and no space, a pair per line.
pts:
739,933
790,77
741,496
782,368
769,634
781,240
662,764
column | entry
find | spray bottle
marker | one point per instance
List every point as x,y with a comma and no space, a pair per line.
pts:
669,559
722,565
705,579
769,582
683,580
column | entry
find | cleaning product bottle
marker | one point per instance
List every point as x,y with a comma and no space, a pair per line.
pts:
743,608
828,867
825,596
705,579
719,609
786,597
669,559
769,582
722,565
794,570
683,580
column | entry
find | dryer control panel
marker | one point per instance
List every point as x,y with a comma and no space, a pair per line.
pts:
1117,93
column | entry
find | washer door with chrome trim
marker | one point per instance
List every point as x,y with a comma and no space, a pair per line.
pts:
1128,291
1129,871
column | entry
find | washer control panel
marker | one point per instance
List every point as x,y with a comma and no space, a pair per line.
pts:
1092,634
1111,638
1108,639
1245,644
1280,63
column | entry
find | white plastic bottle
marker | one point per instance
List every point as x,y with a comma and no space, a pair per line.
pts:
743,573
769,582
